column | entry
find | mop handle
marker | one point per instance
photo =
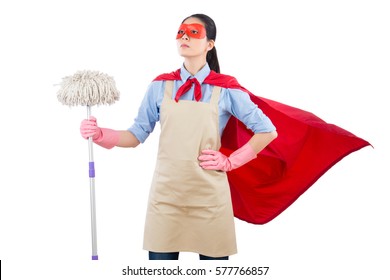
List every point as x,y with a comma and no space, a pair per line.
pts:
92,192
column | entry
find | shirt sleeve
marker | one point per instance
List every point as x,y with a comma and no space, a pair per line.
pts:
148,112
239,104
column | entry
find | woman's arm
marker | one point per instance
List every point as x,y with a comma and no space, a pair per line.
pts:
247,112
105,137
215,160
127,139
260,140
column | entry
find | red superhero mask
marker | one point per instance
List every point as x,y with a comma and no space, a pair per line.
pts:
194,30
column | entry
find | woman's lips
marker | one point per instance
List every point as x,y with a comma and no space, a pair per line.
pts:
184,46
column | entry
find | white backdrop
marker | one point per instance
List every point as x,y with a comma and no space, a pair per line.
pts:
328,57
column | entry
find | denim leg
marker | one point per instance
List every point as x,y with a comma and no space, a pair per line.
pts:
163,256
203,257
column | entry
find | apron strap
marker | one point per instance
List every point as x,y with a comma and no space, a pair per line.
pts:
215,95
168,89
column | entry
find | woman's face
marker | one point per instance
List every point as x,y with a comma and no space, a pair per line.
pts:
192,40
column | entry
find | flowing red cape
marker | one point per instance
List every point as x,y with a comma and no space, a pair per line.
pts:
306,147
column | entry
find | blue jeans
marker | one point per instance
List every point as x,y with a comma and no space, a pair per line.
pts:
175,256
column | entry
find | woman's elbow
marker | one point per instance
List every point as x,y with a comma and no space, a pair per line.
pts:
274,135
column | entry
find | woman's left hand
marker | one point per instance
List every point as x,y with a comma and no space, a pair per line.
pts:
214,160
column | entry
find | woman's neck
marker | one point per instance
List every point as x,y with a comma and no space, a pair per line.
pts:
194,66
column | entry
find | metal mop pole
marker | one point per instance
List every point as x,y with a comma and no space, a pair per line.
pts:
92,192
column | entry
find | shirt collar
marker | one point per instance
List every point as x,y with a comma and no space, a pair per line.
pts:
200,76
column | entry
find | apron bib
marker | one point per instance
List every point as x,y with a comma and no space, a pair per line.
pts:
189,208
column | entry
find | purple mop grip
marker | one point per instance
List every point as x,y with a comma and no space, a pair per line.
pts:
95,258
91,169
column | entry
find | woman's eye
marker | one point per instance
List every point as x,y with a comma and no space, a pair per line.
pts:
180,32
194,31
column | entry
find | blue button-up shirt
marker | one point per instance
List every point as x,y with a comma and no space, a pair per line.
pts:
232,102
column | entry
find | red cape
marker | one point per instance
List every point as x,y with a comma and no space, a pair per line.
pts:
306,147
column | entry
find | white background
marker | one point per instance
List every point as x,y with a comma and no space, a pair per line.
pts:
328,57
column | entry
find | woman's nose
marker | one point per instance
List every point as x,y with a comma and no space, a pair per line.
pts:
185,36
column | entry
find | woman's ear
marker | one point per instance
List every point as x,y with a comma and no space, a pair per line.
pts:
210,45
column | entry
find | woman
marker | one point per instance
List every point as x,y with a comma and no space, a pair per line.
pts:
190,206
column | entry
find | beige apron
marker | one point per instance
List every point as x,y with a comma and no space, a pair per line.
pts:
189,208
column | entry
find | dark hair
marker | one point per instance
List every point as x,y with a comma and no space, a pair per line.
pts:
211,31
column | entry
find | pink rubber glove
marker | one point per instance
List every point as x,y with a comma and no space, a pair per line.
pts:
105,137
215,160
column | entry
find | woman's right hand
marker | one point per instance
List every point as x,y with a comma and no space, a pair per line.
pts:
105,137
89,128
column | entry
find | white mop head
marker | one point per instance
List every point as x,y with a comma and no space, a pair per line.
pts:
88,88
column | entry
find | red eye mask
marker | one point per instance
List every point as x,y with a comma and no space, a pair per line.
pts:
194,30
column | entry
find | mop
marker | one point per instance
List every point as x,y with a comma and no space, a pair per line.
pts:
89,88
